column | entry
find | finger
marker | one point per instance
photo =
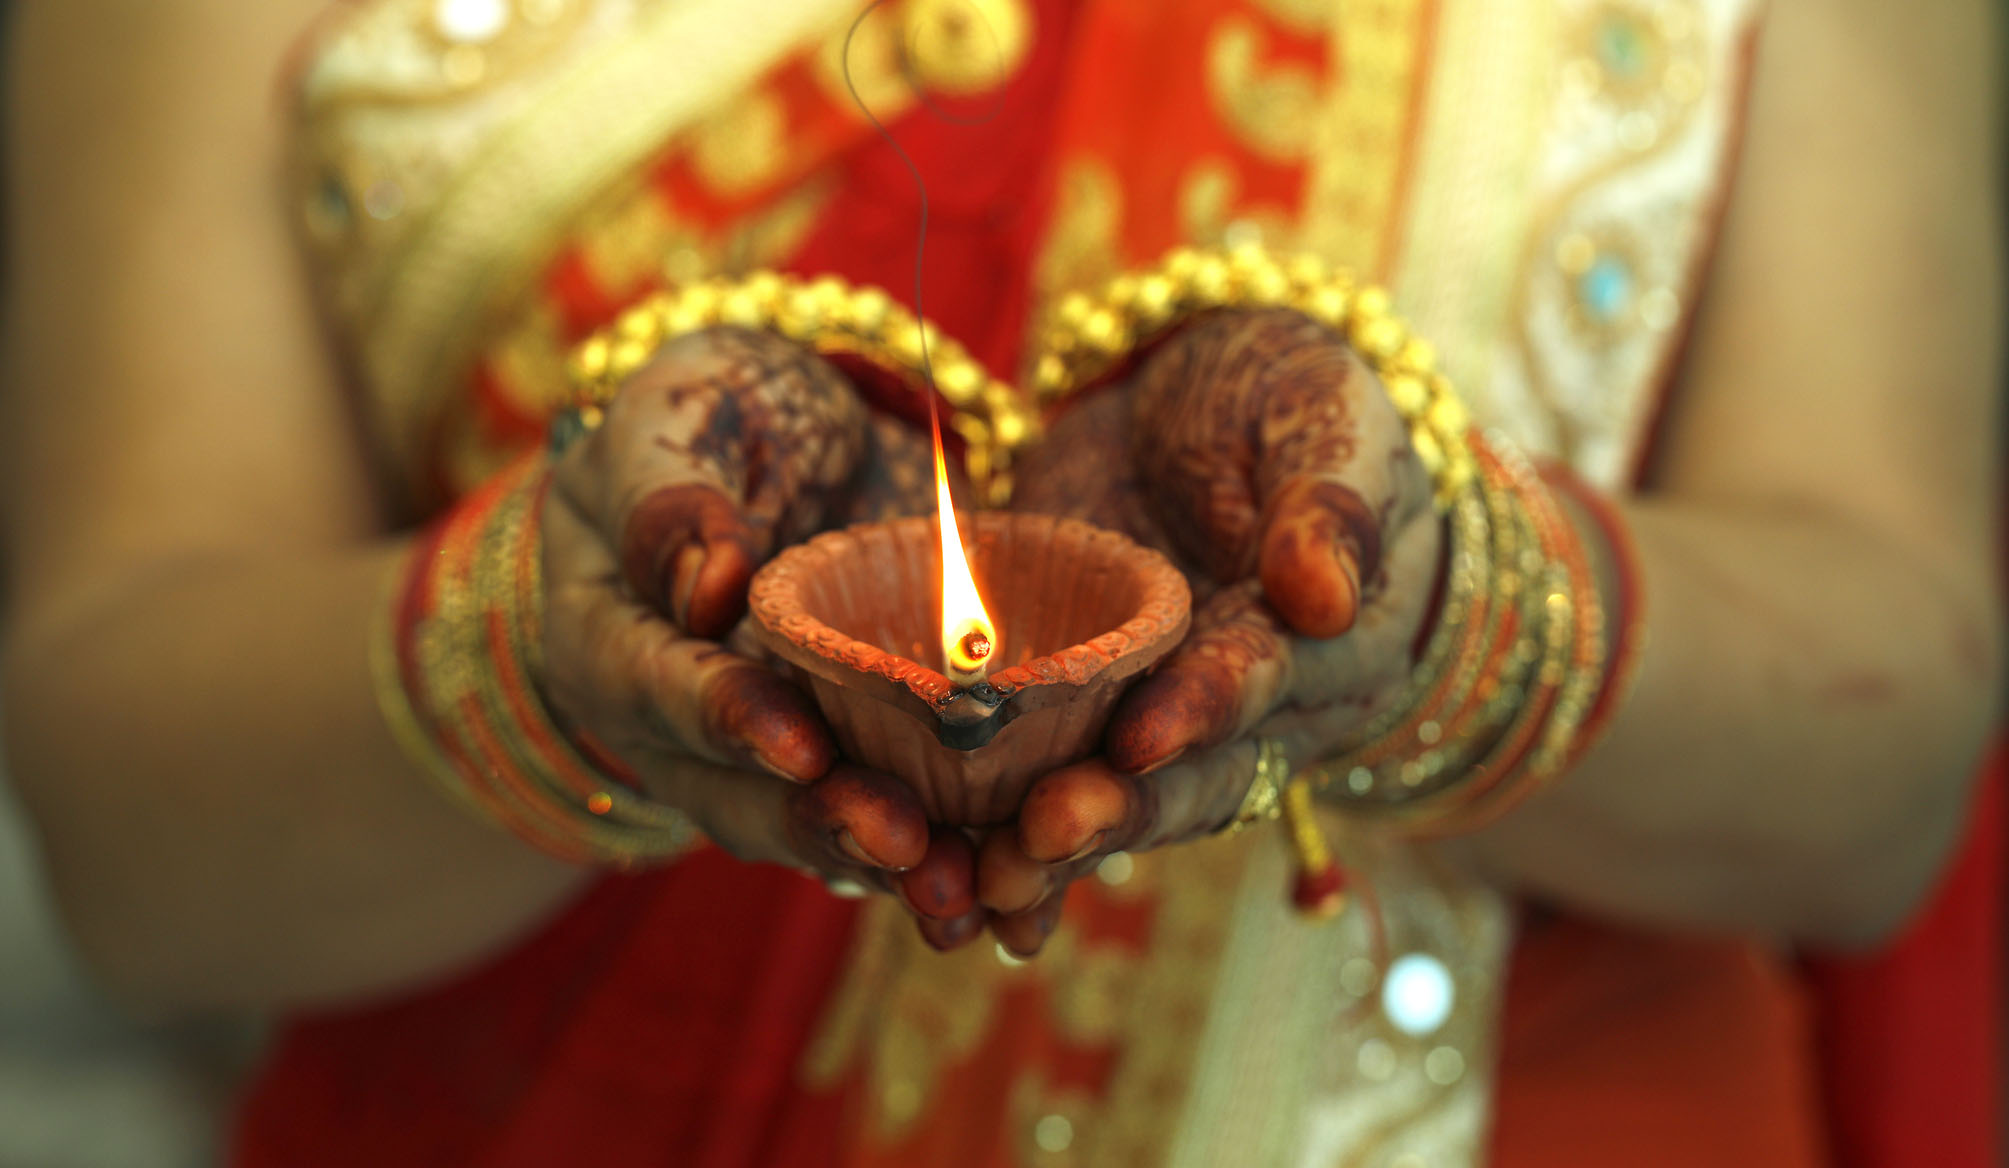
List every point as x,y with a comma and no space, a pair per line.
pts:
1009,881
854,824
862,817
1336,473
942,886
1317,539
953,933
1232,667
1087,809
688,553
725,443
1094,810
1336,682
1241,670
636,680
1025,934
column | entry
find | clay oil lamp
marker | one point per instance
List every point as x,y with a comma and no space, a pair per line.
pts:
968,702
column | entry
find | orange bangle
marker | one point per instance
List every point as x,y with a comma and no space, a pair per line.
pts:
1625,608
458,660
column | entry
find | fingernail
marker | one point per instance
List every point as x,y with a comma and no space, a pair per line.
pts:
849,845
684,581
1087,849
1168,760
772,767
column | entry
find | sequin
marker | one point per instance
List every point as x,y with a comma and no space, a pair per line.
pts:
1375,1059
470,22
463,65
384,200
1053,1133
330,208
1444,1066
1417,994
1623,47
1605,288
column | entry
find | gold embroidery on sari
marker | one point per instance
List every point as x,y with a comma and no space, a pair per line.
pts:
904,1015
1211,212
962,47
636,240
1362,144
489,185
1303,16
1649,98
743,146
1271,107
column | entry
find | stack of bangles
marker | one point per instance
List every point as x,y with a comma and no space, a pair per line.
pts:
1521,672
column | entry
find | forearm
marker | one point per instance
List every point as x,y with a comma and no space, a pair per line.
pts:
1796,755
225,815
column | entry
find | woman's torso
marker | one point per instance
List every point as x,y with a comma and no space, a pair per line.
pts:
482,183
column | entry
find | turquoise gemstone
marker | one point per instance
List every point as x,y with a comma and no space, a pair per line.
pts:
1606,287
1622,46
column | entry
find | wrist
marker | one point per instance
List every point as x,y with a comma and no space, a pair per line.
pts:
459,656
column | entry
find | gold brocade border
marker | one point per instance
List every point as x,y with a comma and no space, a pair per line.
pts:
488,232
1364,146
904,1016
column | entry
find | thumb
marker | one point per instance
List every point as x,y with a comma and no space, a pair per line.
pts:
1318,541
726,442
687,551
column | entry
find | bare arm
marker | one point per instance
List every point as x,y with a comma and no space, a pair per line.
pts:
1819,545
197,565
194,547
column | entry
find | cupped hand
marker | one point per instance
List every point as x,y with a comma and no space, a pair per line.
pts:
728,446
1261,452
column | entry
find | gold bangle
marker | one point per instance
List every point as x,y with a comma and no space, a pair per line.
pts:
457,668
1089,337
836,319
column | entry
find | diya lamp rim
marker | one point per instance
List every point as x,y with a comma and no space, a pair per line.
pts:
1163,613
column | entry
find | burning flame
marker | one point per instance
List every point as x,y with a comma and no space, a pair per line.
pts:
968,636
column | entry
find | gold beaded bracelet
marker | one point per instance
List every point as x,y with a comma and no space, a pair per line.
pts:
836,319
1090,336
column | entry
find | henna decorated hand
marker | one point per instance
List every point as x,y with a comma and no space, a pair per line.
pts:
728,446
1266,457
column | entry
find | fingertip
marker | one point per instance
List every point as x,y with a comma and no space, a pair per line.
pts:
686,552
1072,811
1024,934
1165,715
864,818
1008,881
1315,590
946,936
1319,542
942,886
714,598
760,714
